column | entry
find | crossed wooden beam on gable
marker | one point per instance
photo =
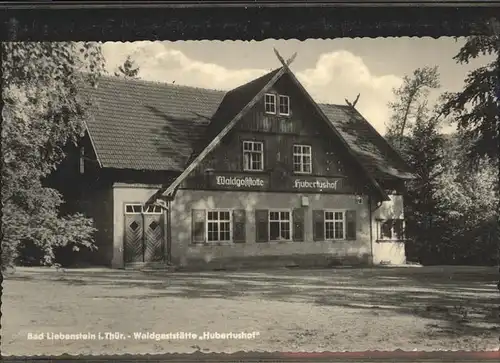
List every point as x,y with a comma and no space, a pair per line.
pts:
289,61
286,63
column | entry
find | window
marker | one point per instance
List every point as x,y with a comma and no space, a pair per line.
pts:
302,160
218,226
334,225
284,105
133,208
253,153
270,103
279,226
153,209
391,229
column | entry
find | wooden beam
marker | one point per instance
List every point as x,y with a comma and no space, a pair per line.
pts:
223,133
286,63
291,59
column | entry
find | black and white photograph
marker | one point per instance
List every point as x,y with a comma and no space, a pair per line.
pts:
224,196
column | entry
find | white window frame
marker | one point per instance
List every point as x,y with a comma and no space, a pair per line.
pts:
270,103
301,154
230,240
290,220
252,152
393,231
344,224
133,205
152,209
287,105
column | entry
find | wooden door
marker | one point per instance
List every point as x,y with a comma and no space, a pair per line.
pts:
134,238
153,237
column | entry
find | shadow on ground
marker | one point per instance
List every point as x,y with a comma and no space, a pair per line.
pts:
460,301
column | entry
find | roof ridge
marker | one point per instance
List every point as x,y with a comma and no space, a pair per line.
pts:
332,104
159,83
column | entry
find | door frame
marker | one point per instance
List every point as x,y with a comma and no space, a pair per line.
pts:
143,220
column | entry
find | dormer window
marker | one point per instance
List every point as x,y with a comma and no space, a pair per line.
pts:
270,103
284,105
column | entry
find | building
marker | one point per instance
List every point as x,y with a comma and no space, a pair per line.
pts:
259,175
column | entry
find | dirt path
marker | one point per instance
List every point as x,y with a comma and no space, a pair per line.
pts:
293,310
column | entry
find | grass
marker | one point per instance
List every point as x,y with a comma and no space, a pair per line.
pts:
428,308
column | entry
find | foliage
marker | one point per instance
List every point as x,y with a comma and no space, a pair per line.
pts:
128,69
424,213
43,112
475,108
470,198
411,102
450,207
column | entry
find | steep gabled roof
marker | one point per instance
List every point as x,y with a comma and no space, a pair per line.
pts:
148,126
157,126
372,150
226,117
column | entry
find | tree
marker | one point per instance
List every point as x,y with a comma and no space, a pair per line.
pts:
423,152
411,101
414,130
475,108
43,112
469,198
127,69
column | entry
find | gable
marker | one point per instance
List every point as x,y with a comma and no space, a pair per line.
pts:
229,124
152,126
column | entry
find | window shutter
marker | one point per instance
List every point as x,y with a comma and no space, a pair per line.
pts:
319,225
261,225
351,224
198,225
266,159
298,224
239,217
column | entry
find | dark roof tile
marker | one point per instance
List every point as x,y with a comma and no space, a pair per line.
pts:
147,125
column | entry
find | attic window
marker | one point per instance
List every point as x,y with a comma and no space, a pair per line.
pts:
270,103
284,106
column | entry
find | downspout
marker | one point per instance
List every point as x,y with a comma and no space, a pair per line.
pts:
371,227
169,232
370,212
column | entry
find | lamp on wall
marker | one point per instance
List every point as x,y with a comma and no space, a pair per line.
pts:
359,198
304,201
161,203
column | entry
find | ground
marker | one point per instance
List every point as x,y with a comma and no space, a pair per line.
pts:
408,308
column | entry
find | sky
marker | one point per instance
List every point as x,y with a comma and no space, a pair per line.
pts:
331,70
